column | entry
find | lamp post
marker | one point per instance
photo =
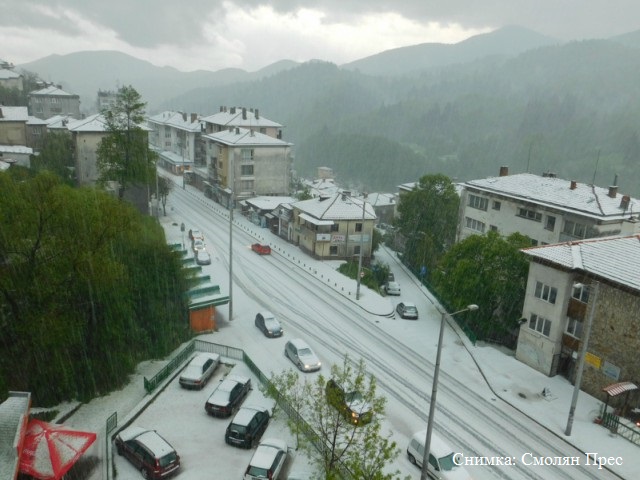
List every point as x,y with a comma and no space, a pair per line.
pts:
434,390
231,257
583,353
364,203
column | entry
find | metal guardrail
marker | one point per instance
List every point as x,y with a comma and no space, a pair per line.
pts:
613,423
151,384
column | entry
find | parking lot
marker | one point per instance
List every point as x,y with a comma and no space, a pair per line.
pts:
179,416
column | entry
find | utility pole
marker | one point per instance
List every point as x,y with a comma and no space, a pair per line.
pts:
364,203
231,257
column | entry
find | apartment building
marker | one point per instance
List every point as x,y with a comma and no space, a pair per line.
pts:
333,227
571,284
176,137
545,208
52,100
86,135
241,117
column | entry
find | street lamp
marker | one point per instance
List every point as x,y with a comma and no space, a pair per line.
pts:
364,203
231,257
434,391
583,353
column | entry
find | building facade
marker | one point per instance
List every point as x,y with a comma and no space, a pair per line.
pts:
570,284
52,100
241,117
176,137
13,125
545,208
333,227
86,135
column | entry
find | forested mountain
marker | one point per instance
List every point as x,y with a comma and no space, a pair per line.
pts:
571,108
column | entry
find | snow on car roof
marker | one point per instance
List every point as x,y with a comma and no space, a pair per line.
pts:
266,452
245,414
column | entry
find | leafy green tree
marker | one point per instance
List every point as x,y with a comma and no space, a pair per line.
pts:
164,188
88,288
336,443
491,272
427,220
124,155
56,156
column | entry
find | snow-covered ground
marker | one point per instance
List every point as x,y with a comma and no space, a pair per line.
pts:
489,404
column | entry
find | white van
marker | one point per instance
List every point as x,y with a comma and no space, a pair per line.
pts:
441,465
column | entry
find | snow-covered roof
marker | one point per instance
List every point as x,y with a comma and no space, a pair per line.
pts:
616,259
59,121
7,74
245,137
93,123
181,121
52,91
269,203
381,199
14,114
36,121
337,207
16,149
553,192
253,119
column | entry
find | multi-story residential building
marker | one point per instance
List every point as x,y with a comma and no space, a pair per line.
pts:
545,208
571,284
52,100
176,137
13,125
105,100
10,79
333,227
241,117
35,132
243,163
86,135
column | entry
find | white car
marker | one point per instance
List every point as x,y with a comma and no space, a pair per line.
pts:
267,461
301,355
392,288
203,257
199,370
441,462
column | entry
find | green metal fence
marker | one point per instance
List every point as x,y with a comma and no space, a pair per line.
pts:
151,384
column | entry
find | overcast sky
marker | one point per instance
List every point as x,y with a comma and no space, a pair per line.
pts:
251,34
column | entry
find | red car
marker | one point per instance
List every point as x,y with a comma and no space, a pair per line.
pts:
261,249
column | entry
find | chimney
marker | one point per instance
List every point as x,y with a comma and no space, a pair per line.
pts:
257,116
221,108
1,115
346,194
504,171
624,203
194,117
244,113
613,191
232,110
237,131
184,116
574,185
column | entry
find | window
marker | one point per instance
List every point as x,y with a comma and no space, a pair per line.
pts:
333,250
247,154
581,293
246,185
478,202
335,227
246,169
540,324
358,227
493,228
263,130
496,205
574,327
529,214
356,250
551,223
574,229
546,293
474,224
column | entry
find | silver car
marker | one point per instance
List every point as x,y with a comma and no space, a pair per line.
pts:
392,288
301,355
199,370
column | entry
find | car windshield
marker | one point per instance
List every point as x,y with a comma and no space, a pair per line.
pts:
168,459
352,397
304,351
446,462
258,472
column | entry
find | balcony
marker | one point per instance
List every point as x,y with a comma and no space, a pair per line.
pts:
576,309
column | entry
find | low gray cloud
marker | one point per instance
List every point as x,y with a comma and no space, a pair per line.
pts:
148,23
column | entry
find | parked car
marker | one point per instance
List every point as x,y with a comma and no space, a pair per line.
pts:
268,324
301,355
392,288
203,257
199,370
228,396
351,404
196,235
148,452
407,310
197,245
247,426
268,460
261,249
441,458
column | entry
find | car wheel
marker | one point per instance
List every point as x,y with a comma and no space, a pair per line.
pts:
412,459
144,472
119,450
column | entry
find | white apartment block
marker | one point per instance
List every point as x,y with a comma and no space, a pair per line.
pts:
545,208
